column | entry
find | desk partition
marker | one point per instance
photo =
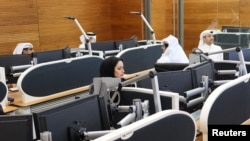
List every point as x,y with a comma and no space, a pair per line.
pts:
58,76
140,58
171,125
227,105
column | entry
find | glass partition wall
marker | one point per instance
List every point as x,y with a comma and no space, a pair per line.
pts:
187,19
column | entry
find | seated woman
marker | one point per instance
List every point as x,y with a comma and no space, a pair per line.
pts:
112,67
23,48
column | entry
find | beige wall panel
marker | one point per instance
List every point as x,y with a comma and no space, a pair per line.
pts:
162,18
57,32
19,23
124,24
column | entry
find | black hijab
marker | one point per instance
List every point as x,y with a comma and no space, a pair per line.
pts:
108,66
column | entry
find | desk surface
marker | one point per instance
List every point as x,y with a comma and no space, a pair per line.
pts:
18,96
247,122
129,76
10,108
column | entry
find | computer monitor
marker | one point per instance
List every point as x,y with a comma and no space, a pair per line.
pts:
16,128
178,81
161,67
233,55
66,121
227,39
126,43
10,61
103,46
66,52
225,66
50,55
235,29
205,68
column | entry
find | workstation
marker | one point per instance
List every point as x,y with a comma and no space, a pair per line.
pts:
60,81
61,87
52,99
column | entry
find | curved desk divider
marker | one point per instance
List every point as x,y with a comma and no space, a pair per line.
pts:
227,105
171,125
140,58
3,95
54,77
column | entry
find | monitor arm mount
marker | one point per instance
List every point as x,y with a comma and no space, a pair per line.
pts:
155,86
83,32
202,90
18,70
109,90
148,25
137,111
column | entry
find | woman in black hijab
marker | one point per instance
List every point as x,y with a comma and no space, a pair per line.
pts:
112,67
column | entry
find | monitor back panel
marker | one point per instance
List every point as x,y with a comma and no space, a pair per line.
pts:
103,46
53,77
140,58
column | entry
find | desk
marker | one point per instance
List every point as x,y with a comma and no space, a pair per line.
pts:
247,122
129,76
10,108
18,96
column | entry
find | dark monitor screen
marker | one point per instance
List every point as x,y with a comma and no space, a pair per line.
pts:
173,81
205,68
66,52
244,40
85,112
161,67
233,55
235,29
126,43
225,66
8,61
50,55
103,46
16,128
225,38
228,40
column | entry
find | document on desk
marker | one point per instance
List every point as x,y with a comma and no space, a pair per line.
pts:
13,89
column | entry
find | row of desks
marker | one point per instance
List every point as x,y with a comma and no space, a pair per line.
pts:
17,95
